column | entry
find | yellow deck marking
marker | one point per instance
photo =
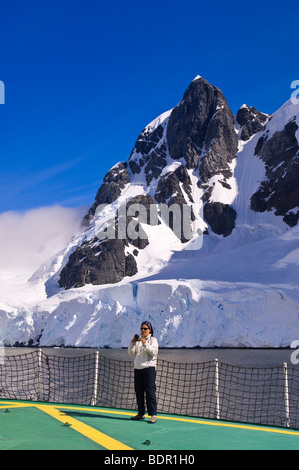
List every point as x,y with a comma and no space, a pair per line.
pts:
16,405
189,420
230,425
93,434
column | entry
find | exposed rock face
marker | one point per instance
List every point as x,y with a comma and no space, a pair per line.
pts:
202,125
221,217
97,263
200,132
170,192
150,152
169,188
114,181
251,121
281,190
104,261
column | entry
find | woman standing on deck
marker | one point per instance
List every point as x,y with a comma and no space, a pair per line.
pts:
145,350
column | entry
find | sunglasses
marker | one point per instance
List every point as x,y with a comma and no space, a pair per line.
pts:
144,328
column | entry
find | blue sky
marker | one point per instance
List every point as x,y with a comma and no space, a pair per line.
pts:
83,78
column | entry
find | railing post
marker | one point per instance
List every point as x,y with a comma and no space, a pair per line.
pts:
96,379
286,395
217,389
39,370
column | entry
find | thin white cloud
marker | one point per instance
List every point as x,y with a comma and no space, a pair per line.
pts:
29,239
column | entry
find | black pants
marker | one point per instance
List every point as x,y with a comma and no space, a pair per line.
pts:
145,383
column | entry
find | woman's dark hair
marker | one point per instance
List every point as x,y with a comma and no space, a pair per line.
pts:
149,325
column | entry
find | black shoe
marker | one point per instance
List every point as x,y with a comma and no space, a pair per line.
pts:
137,417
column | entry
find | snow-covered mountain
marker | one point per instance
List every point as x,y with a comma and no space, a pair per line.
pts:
219,269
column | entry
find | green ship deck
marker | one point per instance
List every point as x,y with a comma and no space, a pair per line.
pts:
44,426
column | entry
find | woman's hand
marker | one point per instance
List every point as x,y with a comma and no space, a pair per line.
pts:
141,338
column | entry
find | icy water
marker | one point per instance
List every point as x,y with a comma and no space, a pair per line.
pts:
237,357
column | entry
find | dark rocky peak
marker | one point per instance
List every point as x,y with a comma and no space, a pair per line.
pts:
280,190
201,130
251,121
201,133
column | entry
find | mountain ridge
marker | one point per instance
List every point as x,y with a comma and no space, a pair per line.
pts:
187,156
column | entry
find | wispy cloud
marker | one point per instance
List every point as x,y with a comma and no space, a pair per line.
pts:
29,239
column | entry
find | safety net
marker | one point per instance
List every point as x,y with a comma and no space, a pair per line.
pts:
213,389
